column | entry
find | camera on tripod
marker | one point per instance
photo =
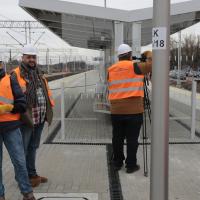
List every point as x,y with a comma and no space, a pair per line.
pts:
143,58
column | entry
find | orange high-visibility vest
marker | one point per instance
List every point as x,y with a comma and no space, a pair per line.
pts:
22,83
6,97
20,80
123,82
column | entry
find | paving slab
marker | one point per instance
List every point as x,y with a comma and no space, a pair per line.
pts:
184,175
70,169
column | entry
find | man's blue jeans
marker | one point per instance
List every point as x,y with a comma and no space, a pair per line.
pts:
31,139
14,144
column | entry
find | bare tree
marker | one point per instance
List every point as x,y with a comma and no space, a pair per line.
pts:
190,49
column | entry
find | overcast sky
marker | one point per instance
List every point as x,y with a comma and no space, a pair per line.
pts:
9,10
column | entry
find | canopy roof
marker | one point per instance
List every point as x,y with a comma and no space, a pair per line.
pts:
92,27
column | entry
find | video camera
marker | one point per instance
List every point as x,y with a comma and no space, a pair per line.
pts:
143,58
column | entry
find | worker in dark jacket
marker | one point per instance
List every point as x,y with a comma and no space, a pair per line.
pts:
12,103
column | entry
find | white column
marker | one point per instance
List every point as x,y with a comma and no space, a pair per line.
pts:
119,36
136,38
160,101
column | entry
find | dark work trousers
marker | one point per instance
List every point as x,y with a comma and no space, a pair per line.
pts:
126,127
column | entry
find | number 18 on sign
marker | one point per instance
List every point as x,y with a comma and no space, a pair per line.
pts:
159,38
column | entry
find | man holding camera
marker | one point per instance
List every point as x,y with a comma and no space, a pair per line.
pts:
126,95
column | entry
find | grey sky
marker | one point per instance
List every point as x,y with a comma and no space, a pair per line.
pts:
11,10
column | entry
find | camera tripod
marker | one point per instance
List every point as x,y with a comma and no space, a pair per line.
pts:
147,113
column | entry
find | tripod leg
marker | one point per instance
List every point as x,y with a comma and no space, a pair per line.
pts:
147,106
143,146
145,151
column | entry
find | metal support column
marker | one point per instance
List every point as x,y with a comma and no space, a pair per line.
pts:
25,26
179,59
85,82
107,62
47,61
102,66
193,102
62,96
160,101
119,36
136,39
29,28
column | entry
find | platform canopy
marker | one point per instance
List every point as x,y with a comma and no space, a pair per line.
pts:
92,27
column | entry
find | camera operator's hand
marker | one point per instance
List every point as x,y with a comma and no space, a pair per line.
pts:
143,58
5,108
146,62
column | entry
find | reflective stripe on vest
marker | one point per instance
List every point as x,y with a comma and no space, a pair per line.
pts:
6,100
126,89
130,80
6,97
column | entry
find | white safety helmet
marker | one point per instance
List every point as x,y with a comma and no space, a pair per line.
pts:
123,49
29,50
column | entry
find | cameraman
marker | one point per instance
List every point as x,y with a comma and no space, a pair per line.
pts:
126,94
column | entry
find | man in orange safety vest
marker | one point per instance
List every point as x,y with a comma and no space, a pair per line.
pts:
126,96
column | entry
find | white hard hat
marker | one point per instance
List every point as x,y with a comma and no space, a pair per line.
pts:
29,50
123,49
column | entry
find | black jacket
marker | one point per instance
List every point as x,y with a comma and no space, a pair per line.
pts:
19,105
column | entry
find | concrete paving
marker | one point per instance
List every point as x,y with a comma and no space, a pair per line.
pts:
83,169
70,169
184,175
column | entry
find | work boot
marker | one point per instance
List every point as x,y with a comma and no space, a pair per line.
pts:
29,196
2,198
43,179
35,181
117,167
130,170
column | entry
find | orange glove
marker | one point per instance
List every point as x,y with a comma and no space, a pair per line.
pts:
5,108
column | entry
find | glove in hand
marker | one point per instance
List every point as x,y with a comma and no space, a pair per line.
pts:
5,108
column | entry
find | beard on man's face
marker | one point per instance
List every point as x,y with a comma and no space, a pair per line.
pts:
30,63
